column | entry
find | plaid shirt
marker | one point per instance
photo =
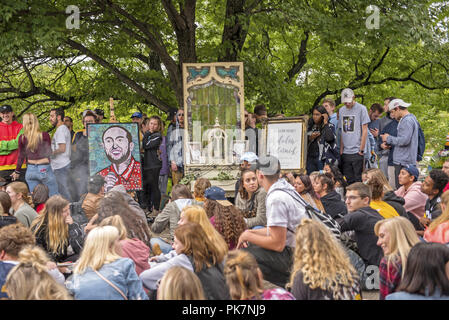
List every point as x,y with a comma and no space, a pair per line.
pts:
389,276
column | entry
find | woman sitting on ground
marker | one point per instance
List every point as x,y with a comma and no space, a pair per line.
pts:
377,188
389,196
425,276
56,232
30,280
199,188
101,273
21,203
196,253
396,237
251,200
304,187
40,195
438,230
5,204
132,248
115,204
245,280
179,283
224,216
169,216
196,214
322,269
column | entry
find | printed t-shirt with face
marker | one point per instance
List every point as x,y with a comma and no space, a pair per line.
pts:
351,121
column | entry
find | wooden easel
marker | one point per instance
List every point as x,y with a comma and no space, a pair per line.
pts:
112,118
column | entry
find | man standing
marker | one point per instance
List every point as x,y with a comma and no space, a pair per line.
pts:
10,132
387,125
406,142
80,157
69,124
175,149
61,151
329,105
353,122
273,246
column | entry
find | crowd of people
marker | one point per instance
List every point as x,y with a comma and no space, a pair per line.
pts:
360,203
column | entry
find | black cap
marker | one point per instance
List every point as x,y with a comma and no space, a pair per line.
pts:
99,112
96,180
5,108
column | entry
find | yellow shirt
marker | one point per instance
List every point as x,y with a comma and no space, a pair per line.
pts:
384,209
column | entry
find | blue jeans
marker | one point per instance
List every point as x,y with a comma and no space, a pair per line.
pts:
41,173
165,247
62,180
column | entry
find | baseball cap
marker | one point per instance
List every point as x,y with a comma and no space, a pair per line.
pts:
5,108
217,194
398,103
249,156
269,165
347,95
89,112
96,180
412,170
136,115
99,112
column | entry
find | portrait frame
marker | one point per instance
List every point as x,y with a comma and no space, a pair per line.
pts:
102,164
286,139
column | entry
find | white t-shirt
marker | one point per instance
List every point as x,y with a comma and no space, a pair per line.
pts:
62,135
283,210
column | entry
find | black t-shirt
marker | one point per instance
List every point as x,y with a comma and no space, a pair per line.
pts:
362,222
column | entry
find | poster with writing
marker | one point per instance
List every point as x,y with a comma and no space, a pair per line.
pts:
285,141
114,154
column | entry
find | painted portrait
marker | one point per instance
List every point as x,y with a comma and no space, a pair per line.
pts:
114,154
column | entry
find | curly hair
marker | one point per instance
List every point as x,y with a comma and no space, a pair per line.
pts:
242,275
322,260
14,237
115,204
30,280
229,220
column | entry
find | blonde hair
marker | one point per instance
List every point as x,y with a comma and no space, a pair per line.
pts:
115,221
379,177
402,238
322,260
242,275
30,280
31,131
179,283
21,187
444,216
52,222
197,214
99,249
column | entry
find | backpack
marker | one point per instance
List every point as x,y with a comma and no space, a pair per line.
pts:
421,143
77,212
213,281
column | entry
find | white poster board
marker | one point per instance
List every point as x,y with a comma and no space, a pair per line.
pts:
285,141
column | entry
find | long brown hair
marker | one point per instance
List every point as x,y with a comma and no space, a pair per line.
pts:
197,244
243,193
228,220
52,222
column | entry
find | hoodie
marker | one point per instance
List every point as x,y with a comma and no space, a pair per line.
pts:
415,199
396,202
9,145
333,205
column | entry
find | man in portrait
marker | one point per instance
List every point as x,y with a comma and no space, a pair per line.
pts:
124,169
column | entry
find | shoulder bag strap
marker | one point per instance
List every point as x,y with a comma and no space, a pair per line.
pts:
111,284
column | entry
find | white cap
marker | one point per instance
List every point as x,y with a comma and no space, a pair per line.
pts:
249,156
397,103
347,95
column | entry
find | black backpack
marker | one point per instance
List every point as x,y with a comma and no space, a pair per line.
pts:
421,143
213,281
77,212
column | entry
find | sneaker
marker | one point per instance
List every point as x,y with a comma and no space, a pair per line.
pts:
156,249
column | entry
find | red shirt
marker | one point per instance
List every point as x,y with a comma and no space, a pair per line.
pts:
131,178
446,187
43,150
